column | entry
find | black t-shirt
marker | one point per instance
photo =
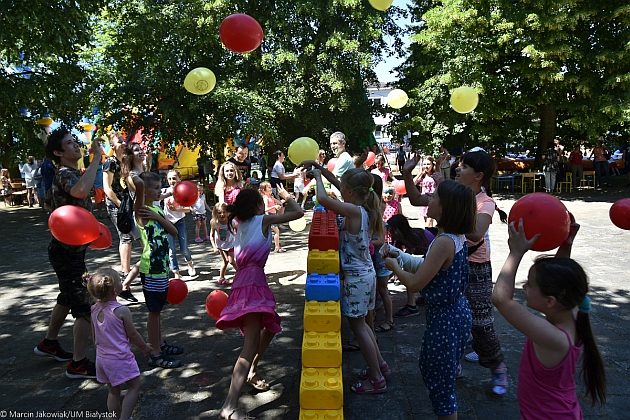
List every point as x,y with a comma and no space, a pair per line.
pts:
245,167
113,165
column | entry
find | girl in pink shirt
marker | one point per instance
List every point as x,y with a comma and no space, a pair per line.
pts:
229,183
557,287
113,333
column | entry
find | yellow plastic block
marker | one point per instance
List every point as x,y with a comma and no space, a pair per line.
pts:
321,350
322,317
322,262
321,389
321,414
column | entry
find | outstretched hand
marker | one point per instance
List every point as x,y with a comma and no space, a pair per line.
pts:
310,164
518,242
573,230
410,164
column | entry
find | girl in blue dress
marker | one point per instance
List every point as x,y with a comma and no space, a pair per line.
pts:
443,278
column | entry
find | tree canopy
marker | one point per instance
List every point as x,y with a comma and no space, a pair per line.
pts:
541,68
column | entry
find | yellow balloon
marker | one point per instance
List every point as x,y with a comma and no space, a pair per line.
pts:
303,148
200,81
464,99
397,98
298,225
381,5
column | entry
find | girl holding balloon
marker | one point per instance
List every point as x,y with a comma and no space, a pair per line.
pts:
175,214
70,187
251,306
557,287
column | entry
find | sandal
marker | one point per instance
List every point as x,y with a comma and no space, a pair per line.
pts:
171,349
368,386
385,327
385,370
279,250
258,383
163,362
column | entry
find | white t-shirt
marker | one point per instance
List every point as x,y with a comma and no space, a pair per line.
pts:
200,205
277,170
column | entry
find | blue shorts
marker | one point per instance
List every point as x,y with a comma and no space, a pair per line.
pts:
379,265
154,301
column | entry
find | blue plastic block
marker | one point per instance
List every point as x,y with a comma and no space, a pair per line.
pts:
323,287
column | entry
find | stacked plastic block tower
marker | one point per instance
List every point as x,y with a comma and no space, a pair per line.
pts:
321,385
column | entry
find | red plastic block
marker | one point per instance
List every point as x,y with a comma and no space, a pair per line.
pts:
324,233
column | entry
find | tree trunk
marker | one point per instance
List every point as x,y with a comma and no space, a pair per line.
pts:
547,129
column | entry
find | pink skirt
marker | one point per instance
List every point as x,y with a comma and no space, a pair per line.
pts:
248,300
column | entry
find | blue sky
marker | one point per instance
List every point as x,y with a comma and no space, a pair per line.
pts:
383,69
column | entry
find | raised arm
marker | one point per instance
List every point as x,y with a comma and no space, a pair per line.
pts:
415,197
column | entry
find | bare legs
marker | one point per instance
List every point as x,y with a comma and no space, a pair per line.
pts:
125,256
367,342
383,292
256,341
123,407
154,332
82,332
57,318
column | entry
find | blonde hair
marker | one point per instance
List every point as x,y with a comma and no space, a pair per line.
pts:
101,284
221,181
263,186
214,221
360,182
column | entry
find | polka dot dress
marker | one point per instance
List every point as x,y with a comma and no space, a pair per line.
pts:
448,325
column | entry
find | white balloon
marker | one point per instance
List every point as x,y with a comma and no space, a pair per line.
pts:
298,225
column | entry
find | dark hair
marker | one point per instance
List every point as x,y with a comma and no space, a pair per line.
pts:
53,144
245,206
414,240
565,279
147,177
277,154
361,183
481,161
459,207
126,162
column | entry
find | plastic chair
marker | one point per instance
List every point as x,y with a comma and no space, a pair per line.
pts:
567,183
528,179
588,182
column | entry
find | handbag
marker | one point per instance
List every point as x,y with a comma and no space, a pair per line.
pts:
124,219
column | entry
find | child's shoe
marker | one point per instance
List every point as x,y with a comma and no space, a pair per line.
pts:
198,240
500,380
191,270
368,386
163,362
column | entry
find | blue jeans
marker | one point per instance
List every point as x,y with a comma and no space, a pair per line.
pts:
182,235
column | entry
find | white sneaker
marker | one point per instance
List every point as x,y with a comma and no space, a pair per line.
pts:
191,271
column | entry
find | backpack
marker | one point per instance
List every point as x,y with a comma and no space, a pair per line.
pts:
124,219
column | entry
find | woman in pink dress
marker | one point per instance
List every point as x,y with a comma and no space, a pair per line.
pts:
251,305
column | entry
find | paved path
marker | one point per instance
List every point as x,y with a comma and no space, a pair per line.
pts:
29,383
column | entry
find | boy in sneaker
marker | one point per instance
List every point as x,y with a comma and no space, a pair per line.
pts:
154,268
70,188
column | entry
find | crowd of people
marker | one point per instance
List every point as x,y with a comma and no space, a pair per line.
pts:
447,263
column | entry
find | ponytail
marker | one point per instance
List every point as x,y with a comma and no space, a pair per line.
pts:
375,220
593,372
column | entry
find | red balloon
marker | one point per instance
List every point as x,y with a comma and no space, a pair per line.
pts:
104,239
371,157
73,225
215,302
185,193
542,214
331,164
177,291
620,213
241,33
399,187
